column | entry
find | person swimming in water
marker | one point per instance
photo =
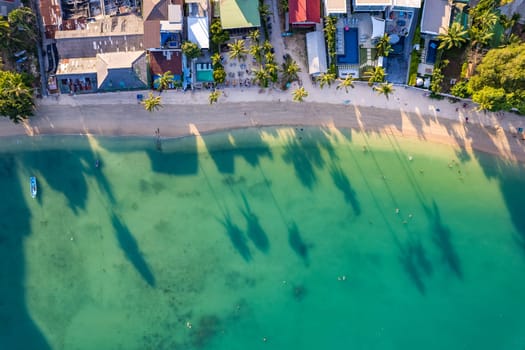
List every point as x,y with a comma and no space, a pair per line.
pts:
97,163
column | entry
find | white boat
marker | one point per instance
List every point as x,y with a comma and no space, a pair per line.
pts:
32,181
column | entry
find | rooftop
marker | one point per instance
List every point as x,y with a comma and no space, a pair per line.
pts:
436,17
77,65
239,14
304,11
161,62
397,3
119,25
198,31
335,6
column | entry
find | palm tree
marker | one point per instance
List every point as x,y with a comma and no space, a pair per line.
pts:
4,32
191,50
326,79
300,94
237,50
152,103
376,75
383,46
264,11
219,75
384,89
256,52
272,69
254,36
269,57
216,59
346,83
290,70
163,81
261,76
480,36
267,46
454,36
214,96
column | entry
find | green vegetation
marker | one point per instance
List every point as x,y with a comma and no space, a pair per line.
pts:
455,36
163,81
500,80
16,97
415,57
460,89
152,103
214,96
329,31
326,79
300,94
219,74
383,46
289,70
384,89
238,50
346,83
218,35
375,75
191,50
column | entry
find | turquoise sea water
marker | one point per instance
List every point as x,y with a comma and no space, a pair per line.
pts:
276,238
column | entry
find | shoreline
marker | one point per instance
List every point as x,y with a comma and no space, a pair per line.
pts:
406,114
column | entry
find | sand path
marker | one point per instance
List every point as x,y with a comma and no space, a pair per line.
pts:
407,113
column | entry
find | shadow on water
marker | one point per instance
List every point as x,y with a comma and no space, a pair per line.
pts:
58,165
297,243
415,262
299,155
131,250
343,184
255,231
225,147
443,240
17,328
236,237
175,161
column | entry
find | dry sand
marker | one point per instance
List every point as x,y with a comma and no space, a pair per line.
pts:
407,113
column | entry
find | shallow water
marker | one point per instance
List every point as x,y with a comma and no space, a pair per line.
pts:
308,239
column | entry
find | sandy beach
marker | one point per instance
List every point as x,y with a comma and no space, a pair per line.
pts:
407,113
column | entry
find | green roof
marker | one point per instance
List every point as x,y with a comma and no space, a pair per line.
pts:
240,14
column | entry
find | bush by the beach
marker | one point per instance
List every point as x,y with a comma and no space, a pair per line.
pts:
16,96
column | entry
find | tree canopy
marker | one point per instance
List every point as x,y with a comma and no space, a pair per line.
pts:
500,80
16,97
191,50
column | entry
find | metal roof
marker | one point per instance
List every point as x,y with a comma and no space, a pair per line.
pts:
239,14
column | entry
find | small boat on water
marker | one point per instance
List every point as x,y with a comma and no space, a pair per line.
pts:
32,181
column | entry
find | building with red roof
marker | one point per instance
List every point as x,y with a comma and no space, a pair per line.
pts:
304,12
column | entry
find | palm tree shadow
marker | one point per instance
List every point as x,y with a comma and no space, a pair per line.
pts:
18,329
129,246
343,184
255,231
236,237
297,243
442,239
412,257
298,155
